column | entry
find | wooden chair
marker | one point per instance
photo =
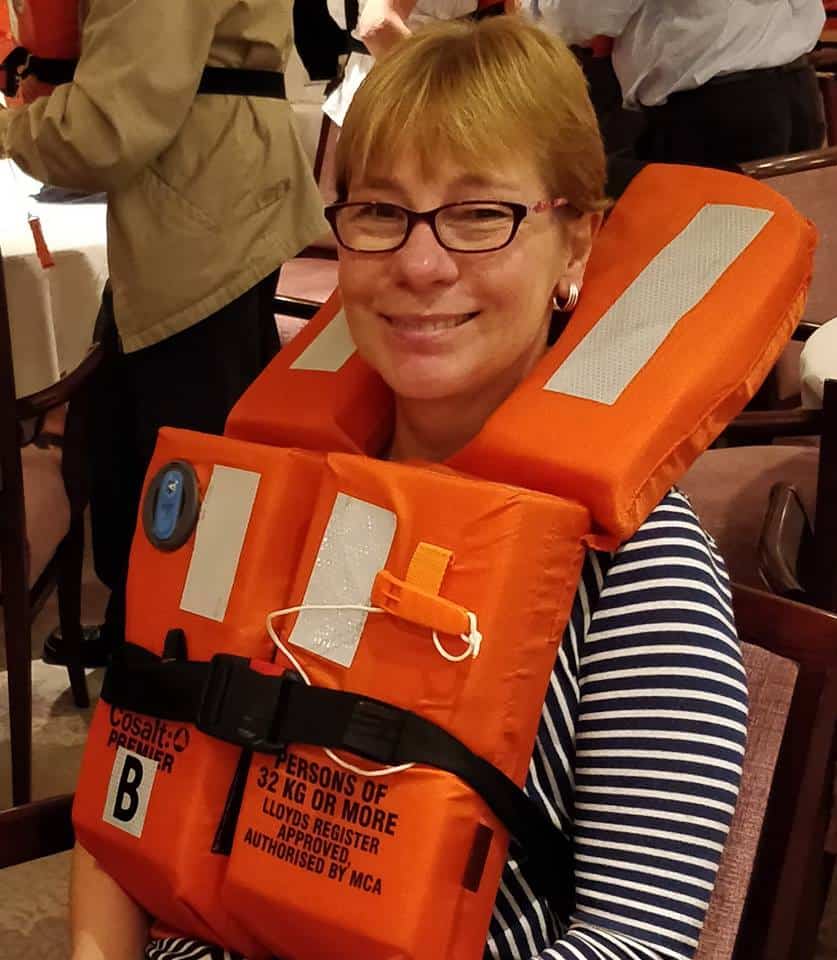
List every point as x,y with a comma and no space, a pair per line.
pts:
36,830
794,851
809,181
772,507
42,499
731,489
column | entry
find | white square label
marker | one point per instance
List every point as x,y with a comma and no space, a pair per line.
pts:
129,791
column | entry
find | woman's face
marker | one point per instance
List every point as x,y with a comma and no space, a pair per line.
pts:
445,326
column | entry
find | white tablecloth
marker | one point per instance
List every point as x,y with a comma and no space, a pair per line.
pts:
818,363
51,312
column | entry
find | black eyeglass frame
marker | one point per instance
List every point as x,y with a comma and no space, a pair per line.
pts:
519,213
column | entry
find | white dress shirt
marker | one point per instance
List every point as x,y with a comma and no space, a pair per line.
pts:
663,46
358,65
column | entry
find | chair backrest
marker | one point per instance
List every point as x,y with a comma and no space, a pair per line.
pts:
13,532
770,682
823,563
789,880
809,181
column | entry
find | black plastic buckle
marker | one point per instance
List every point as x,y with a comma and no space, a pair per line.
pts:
11,67
244,707
374,731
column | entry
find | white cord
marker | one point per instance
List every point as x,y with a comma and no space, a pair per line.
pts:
473,639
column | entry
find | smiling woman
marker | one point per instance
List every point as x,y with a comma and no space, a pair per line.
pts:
471,184
471,177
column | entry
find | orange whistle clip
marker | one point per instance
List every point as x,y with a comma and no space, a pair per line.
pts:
408,602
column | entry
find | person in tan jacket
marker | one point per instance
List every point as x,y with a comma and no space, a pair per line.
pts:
207,194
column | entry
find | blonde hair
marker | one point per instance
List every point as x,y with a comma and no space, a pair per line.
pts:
477,92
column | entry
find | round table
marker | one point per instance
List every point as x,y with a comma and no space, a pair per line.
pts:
51,311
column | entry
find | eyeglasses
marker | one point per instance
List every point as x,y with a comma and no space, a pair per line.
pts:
472,226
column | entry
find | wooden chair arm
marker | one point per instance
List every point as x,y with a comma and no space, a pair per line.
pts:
804,330
762,426
58,393
295,307
792,163
34,830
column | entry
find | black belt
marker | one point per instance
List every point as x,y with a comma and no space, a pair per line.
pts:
799,64
243,83
228,700
739,76
236,81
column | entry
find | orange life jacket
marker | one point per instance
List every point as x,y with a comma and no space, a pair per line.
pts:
222,815
46,35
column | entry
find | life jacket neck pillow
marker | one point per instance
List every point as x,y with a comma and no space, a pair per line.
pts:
418,608
694,286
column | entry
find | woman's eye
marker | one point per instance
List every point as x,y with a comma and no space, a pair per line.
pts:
482,213
380,211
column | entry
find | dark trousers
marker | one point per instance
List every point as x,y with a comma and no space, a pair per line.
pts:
732,119
191,380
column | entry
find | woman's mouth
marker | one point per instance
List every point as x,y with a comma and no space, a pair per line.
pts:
428,323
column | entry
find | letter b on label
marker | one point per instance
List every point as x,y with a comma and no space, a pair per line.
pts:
129,790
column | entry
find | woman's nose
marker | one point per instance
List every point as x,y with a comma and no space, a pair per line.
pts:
423,261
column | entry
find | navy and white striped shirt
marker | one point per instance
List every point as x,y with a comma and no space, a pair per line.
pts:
640,747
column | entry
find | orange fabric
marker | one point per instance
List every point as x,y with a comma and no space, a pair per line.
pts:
492,703
180,827
423,820
699,379
49,28
46,28
428,566
6,40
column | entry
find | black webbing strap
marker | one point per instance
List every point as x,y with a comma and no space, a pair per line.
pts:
228,700
243,83
219,80
357,46
352,11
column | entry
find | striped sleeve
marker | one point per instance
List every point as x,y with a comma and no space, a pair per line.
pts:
643,734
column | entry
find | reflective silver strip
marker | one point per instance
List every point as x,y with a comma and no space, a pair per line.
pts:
355,546
219,538
330,349
677,279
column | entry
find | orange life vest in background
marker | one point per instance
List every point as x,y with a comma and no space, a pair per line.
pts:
206,789
46,34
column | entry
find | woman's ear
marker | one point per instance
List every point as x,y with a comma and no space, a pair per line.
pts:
580,232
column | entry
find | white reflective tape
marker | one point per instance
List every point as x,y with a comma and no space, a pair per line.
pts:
330,349
355,546
129,791
674,282
219,538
